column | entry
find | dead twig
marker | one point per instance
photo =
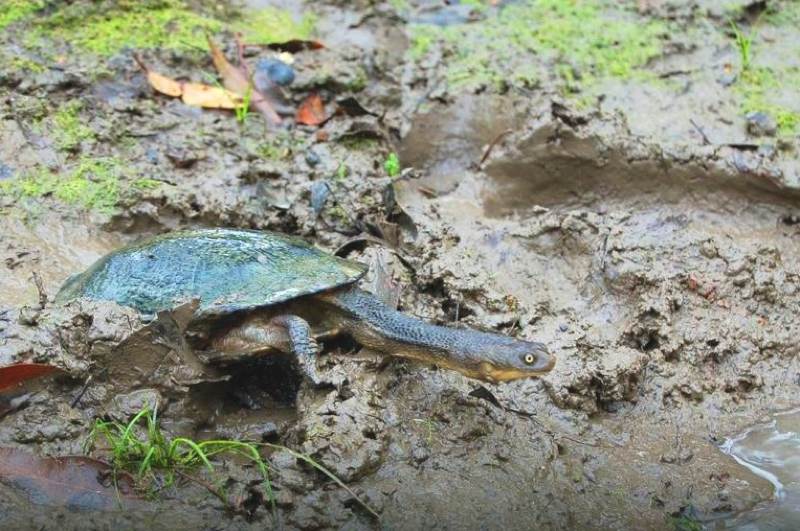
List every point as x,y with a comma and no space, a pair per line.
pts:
699,129
209,487
493,144
240,54
40,288
82,391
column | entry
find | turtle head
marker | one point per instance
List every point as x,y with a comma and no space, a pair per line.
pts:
495,358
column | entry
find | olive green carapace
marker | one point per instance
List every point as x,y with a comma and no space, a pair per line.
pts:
258,268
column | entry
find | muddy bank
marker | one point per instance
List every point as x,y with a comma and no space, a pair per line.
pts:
649,238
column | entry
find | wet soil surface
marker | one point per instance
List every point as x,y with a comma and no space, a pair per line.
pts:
651,240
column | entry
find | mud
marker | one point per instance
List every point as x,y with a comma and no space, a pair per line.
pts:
649,238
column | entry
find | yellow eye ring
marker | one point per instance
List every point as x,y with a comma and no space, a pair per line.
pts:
529,359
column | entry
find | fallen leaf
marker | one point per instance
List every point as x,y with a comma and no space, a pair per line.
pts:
191,93
209,97
238,81
311,111
21,381
75,482
164,85
295,45
233,78
12,376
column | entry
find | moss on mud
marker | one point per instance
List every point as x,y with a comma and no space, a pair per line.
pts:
13,10
91,183
757,87
105,28
586,41
69,130
270,25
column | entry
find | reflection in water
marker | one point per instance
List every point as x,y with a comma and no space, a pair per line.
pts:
773,452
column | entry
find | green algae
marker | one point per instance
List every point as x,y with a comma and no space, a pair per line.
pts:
106,28
786,13
586,41
14,10
756,89
271,25
91,183
69,129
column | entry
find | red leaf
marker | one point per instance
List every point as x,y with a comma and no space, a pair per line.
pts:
311,111
14,375
73,481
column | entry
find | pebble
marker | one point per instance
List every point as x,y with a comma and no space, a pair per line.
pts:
761,124
320,190
312,158
6,171
272,71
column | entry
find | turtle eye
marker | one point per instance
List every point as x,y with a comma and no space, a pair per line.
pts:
529,359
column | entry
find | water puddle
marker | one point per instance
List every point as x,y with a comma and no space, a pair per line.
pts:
772,451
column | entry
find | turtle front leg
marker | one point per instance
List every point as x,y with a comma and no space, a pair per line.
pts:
302,344
287,333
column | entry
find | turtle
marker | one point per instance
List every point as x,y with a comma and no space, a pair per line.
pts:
265,291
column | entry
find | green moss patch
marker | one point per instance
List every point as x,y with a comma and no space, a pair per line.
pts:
756,88
92,183
270,25
13,10
106,28
586,41
783,13
69,130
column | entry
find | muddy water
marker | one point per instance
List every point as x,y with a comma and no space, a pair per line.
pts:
771,450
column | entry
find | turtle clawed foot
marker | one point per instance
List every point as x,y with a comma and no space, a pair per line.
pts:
309,370
313,346
308,363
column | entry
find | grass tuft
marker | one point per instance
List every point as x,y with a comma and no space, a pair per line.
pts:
744,44
140,447
392,165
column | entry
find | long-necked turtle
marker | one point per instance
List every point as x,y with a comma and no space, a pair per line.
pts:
286,292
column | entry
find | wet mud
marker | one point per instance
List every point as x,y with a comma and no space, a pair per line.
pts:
658,260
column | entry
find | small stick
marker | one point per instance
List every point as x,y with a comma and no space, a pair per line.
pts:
209,487
493,144
82,391
240,52
40,288
699,129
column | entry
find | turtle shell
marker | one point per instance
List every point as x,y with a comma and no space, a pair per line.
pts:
227,270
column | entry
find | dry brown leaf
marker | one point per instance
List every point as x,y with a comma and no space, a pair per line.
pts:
236,80
233,78
196,94
75,482
164,85
209,97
